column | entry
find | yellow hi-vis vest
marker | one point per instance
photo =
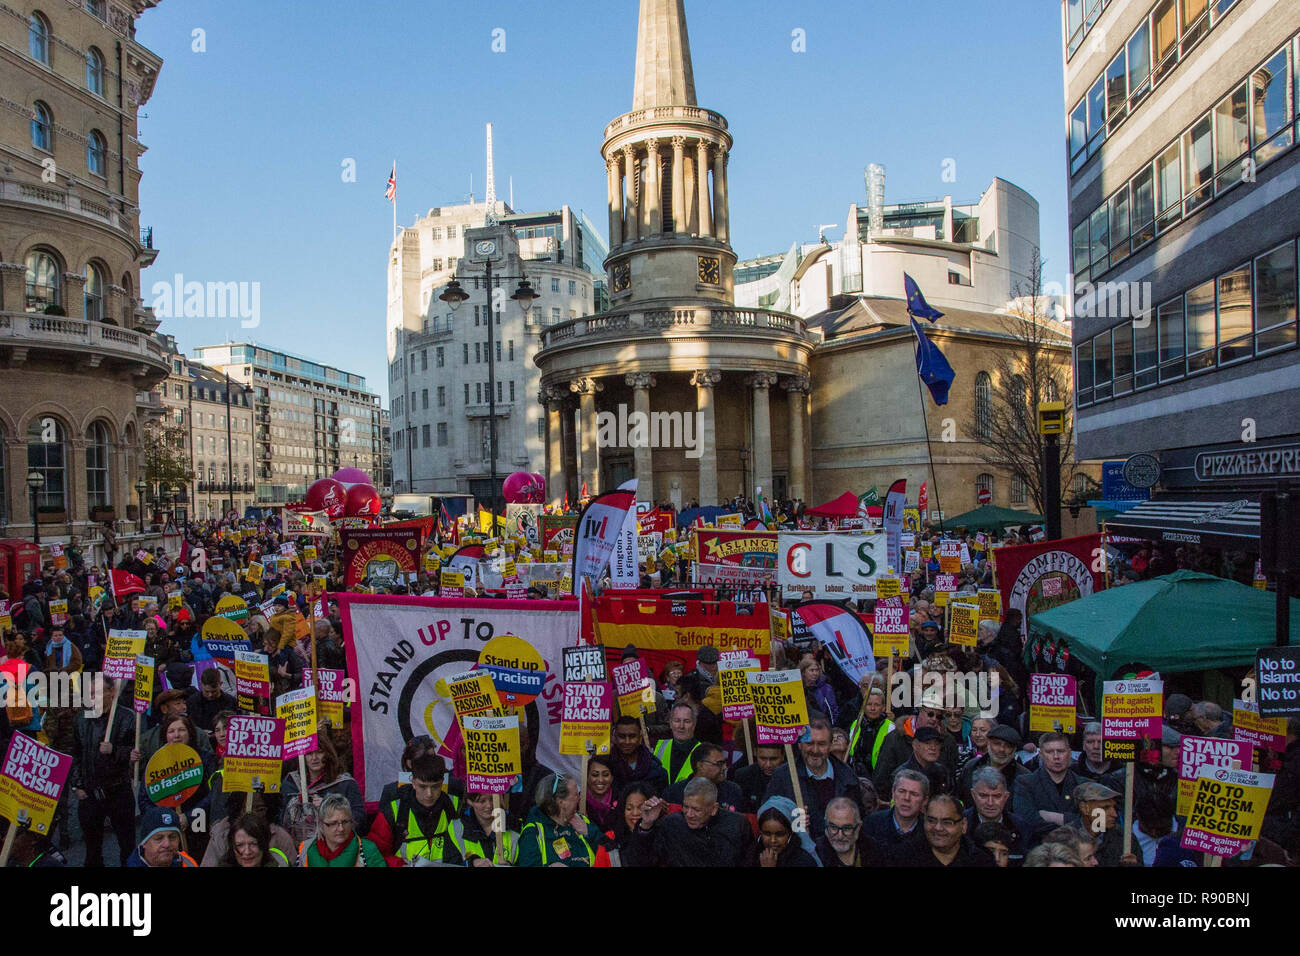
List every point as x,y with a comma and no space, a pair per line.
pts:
856,730
508,840
664,753
417,845
541,842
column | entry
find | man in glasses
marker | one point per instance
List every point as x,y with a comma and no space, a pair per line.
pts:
1003,742
845,843
945,842
897,748
711,764
632,761
822,777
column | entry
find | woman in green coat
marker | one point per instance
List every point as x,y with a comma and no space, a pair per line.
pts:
336,842
556,834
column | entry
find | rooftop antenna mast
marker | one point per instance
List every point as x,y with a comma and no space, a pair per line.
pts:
491,182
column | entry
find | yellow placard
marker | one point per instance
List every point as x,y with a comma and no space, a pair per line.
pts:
779,620
451,581
780,705
990,604
927,551
1228,808
309,552
888,586
473,693
730,521
964,622
254,572
492,753
737,704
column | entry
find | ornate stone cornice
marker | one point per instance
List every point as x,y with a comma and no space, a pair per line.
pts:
706,378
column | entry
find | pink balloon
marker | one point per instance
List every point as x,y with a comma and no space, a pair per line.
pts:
362,502
327,495
523,488
351,476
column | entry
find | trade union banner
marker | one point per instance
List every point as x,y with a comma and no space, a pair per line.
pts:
1038,577
833,566
402,650
384,556
735,558
663,630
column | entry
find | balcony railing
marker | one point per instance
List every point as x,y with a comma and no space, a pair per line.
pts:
697,320
33,330
658,113
67,200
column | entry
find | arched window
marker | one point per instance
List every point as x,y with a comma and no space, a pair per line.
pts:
97,153
95,71
38,38
94,293
97,490
43,286
43,128
1016,393
1018,493
982,484
45,454
984,406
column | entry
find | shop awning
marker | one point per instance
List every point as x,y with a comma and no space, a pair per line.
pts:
1223,520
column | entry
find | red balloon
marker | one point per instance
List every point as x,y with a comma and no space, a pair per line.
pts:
362,502
523,488
351,476
327,495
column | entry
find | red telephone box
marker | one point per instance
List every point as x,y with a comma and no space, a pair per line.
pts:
23,560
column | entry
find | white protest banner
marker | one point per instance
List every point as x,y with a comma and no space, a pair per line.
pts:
833,565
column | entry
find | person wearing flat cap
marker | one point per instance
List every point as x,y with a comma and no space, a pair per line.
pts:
1098,807
927,743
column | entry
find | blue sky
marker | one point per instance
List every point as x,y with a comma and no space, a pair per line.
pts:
243,179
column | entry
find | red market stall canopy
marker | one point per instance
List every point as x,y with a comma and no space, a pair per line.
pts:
845,506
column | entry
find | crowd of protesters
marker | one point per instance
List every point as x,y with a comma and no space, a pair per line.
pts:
876,782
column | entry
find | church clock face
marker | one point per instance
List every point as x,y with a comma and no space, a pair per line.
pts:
710,270
622,277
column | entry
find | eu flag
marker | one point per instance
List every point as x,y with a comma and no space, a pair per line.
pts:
916,304
933,368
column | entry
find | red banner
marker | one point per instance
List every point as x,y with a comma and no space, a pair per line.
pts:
385,556
663,629
1037,577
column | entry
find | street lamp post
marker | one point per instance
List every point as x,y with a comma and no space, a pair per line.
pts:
141,487
35,482
524,295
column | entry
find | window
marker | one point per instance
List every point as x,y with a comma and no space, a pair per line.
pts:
424,360
1195,22
1235,316
1198,163
38,38
442,434
478,392
1165,28
541,429
442,396
498,349
425,433
1096,114
1099,228
42,284
573,287
94,293
1080,251
984,483
476,316
1018,493
1231,137
97,495
45,454
555,315
95,71
424,399
451,232
435,232
1101,365
1074,24
1122,343
555,285
1139,61
1275,299
439,357
478,355
1119,226
1116,92
97,8
97,153
1145,351
465,347
512,390
43,128
510,349
1271,107
198,446
983,406
1219,8
1083,373
499,391
1169,188
1200,327
1078,135
1144,208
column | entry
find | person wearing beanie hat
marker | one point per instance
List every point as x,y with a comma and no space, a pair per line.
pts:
778,845
160,841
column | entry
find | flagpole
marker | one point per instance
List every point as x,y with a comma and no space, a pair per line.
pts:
395,204
929,450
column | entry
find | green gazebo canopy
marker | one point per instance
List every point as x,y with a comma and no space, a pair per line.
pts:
991,518
1185,621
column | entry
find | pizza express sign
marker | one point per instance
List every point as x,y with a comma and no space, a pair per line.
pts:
1231,465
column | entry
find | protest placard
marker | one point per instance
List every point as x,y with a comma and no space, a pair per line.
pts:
473,693
254,572
6,619
585,718
309,552
1053,703
1227,810
964,624
451,583
254,754
1277,678
950,557
1131,712
888,586
779,623
911,561
990,604
144,673
252,679
891,628
31,781
120,653
780,707
58,612
1196,752
331,692
634,687
927,551
173,775
297,709
737,704
60,559
945,586
1268,733
585,662
492,753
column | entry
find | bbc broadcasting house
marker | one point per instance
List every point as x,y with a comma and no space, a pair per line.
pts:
1182,125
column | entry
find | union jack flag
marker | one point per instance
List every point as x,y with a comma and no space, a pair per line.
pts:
391,192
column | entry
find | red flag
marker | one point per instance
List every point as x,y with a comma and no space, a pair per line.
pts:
923,497
122,583
584,491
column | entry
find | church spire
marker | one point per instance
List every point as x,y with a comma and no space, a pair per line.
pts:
663,57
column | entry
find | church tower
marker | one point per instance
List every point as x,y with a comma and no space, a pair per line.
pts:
666,162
